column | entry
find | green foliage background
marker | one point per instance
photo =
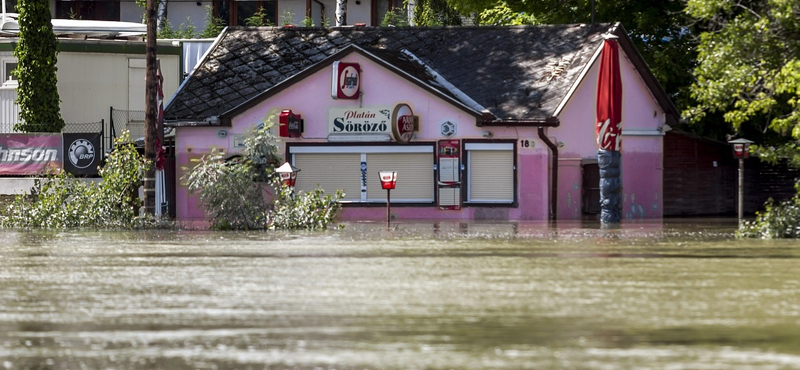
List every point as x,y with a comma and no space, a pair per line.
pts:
36,53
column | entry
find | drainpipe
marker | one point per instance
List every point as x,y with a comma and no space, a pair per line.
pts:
554,183
488,119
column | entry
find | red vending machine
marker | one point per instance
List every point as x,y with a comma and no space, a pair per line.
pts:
449,169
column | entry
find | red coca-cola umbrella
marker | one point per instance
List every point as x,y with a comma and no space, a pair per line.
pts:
609,97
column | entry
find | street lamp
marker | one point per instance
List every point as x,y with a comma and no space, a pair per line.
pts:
741,150
288,174
388,182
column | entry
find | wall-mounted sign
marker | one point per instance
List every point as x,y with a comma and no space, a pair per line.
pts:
345,81
82,153
448,129
404,123
29,154
291,125
374,120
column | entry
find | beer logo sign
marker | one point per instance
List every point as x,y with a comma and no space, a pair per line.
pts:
346,81
404,123
81,153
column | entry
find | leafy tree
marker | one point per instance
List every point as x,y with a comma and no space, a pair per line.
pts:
233,193
37,92
501,14
749,70
435,13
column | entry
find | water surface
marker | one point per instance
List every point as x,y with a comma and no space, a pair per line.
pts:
679,295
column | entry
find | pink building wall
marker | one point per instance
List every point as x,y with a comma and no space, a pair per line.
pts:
310,97
642,145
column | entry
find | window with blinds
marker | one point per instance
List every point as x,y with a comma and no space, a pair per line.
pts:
330,171
340,167
414,177
490,172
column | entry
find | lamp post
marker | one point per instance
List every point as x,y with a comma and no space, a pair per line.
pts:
288,174
388,182
741,150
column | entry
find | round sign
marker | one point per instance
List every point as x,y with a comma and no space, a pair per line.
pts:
81,153
349,81
402,123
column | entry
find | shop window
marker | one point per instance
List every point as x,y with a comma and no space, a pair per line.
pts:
98,10
354,169
236,12
491,172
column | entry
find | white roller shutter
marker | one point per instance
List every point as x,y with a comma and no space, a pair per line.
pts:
330,171
491,174
414,177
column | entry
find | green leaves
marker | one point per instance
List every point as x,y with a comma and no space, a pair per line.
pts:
246,193
778,220
37,92
747,65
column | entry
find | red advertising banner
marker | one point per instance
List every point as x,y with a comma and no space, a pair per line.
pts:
29,154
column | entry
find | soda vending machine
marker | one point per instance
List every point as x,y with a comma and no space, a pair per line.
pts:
449,181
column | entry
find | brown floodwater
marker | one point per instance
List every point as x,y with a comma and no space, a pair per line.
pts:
682,294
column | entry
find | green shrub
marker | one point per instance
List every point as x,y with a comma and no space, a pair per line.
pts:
235,193
185,30
781,220
60,201
258,19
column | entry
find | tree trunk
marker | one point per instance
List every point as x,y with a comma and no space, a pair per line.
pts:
150,110
341,13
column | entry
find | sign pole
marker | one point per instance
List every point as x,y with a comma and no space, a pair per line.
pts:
388,209
741,191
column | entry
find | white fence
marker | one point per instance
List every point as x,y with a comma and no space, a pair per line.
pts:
9,112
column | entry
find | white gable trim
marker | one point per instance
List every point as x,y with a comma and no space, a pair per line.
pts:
574,88
578,81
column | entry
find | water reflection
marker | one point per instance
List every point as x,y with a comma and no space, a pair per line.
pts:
427,295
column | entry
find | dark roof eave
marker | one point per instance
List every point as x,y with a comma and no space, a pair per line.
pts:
536,122
213,121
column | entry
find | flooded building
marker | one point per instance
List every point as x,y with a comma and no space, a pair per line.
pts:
479,122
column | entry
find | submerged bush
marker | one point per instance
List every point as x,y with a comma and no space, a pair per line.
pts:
61,201
778,220
236,193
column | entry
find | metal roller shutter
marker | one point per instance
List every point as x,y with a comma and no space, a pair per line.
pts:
330,171
491,176
414,177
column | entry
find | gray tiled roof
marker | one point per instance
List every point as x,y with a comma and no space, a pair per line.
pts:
519,72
